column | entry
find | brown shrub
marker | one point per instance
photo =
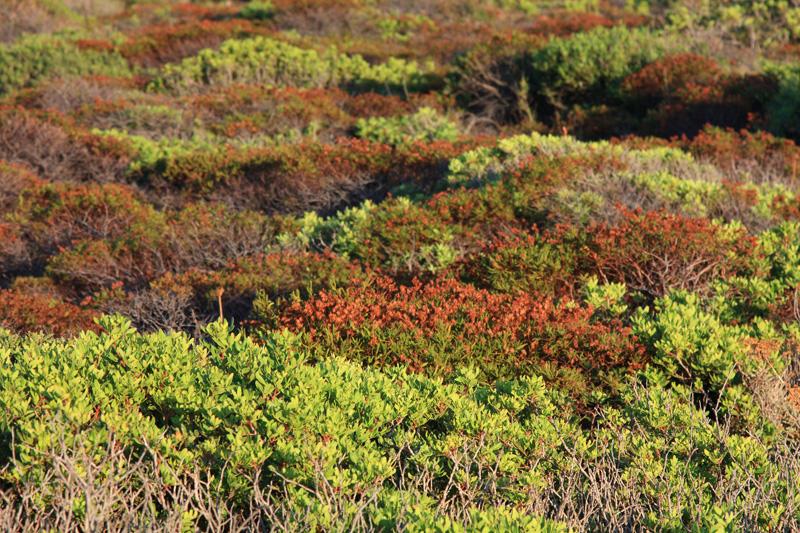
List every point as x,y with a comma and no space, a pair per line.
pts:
54,152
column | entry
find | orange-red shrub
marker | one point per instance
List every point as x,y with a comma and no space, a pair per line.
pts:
152,46
23,313
54,148
731,149
672,77
402,324
657,251
564,23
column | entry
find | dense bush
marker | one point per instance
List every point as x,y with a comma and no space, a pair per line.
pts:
656,252
591,66
59,152
35,57
355,444
272,62
424,125
438,326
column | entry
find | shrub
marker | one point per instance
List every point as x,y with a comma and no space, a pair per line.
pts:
397,235
439,325
750,156
568,22
284,441
694,346
13,180
655,252
36,57
783,107
54,215
591,66
253,287
271,62
25,313
59,152
666,76
212,235
523,262
257,10
489,80
155,45
424,125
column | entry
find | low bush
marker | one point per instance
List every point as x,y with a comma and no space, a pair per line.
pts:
437,326
528,262
23,313
591,66
490,81
156,45
272,62
783,106
666,76
36,57
424,125
655,252
59,152
398,236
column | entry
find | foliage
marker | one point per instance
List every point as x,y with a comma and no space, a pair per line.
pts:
592,64
664,251
231,404
339,265
35,57
424,125
272,62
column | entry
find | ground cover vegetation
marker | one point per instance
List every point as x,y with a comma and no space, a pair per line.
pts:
442,265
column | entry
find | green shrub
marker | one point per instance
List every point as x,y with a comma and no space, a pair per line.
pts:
695,346
591,65
267,61
750,22
424,125
257,10
35,57
397,235
783,109
384,447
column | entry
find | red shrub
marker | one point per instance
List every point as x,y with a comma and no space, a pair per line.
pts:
23,313
682,93
672,77
54,215
757,151
98,45
497,330
91,265
564,23
152,46
14,178
14,252
657,251
377,105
